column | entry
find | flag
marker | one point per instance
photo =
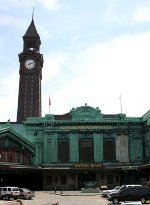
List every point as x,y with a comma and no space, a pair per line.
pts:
49,101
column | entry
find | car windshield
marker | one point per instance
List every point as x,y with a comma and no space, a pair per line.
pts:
15,189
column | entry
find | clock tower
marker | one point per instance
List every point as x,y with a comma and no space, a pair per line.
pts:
31,63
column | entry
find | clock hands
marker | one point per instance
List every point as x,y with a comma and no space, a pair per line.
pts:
31,63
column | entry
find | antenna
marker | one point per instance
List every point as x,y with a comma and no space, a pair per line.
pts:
33,13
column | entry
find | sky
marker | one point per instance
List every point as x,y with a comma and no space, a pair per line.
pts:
94,52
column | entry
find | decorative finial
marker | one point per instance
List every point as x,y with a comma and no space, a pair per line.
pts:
33,13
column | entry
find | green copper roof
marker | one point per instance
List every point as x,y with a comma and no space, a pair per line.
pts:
83,114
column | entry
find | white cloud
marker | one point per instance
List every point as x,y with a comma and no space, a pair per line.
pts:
12,4
142,14
43,32
53,65
50,4
9,96
11,20
113,15
121,65
96,75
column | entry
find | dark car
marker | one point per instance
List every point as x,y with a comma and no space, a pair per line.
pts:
131,194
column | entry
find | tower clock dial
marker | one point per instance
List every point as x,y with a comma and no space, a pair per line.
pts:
29,64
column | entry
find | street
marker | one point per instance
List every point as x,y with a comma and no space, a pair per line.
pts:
68,198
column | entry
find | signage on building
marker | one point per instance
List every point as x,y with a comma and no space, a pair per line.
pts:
80,165
129,168
75,127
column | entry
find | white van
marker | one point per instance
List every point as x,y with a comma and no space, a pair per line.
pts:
9,192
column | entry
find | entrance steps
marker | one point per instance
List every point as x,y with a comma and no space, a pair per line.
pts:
90,190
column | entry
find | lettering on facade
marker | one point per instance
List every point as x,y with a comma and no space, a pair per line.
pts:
87,127
87,165
129,168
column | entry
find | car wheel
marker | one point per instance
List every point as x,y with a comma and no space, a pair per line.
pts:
22,197
115,201
143,200
7,197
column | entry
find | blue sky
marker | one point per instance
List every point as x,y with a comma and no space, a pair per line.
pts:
93,51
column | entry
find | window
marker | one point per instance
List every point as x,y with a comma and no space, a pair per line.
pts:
26,159
56,179
63,150
49,180
109,149
109,179
86,150
102,176
30,45
117,178
13,155
63,180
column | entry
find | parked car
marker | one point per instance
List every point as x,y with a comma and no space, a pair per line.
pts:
26,193
106,192
136,193
123,187
9,192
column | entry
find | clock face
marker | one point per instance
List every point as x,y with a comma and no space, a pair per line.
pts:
29,64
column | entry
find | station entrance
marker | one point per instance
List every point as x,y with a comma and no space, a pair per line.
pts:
84,177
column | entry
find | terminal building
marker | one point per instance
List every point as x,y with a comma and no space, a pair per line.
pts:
66,151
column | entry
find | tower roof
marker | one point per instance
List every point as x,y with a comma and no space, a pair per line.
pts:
31,31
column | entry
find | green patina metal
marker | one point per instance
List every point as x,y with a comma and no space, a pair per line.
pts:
39,135
7,131
86,113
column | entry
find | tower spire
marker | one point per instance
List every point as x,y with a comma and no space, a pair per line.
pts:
31,63
33,13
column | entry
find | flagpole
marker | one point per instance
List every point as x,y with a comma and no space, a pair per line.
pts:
49,103
49,108
120,103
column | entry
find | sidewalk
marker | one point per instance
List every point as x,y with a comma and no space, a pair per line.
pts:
11,202
73,193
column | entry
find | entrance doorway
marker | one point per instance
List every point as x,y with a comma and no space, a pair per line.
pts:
84,177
